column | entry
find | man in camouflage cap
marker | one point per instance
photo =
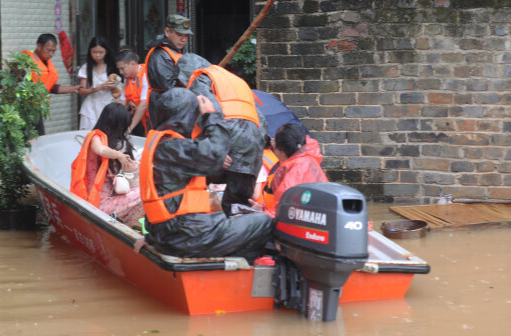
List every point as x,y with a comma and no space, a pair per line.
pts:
179,23
162,72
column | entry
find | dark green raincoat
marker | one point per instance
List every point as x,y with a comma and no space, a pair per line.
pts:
162,72
247,139
175,162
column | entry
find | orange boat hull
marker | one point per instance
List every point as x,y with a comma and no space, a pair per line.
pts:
194,292
219,291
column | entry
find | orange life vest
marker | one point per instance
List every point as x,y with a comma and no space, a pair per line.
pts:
269,160
268,193
133,86
195,195
79,182
133,90
49,75
175,57
233,93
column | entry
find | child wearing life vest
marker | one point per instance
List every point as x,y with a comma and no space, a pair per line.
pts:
265,176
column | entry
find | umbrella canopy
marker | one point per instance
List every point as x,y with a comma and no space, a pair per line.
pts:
275,112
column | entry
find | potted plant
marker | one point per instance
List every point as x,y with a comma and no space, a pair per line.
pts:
22,103
243,63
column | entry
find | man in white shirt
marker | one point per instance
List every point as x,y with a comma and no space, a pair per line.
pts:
135,90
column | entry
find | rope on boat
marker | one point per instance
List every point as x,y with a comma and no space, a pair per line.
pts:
79,138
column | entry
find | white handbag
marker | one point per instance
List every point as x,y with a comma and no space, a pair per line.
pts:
121,183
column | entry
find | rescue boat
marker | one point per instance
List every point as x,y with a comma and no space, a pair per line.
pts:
193,286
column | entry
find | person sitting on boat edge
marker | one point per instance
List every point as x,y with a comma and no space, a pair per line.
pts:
233,97
173,174
299,156
105,151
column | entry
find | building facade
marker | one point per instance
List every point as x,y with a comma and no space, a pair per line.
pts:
409,99
21,22
217,23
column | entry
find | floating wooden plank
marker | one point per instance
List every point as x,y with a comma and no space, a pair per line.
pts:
449,217
486,201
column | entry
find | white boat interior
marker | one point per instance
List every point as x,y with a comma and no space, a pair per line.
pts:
49,161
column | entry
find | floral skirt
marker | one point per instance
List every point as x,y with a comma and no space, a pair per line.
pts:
127,207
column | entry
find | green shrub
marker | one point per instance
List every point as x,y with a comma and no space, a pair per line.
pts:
22,103
243,62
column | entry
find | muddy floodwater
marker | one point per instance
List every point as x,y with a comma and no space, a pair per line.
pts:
47,287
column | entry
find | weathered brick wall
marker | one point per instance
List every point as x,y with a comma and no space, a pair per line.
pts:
409,99
22,22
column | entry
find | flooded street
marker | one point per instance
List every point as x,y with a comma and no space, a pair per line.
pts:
47,287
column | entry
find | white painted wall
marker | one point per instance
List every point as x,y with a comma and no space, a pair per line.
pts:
21,23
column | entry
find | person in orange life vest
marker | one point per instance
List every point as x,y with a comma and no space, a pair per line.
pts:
300,159
268,199
232,96
135,89
46,46
170,172
269,161
106,150
162,57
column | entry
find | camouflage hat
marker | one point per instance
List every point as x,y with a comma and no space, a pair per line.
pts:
178,23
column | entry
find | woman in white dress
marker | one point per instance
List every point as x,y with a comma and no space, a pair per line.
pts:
95,83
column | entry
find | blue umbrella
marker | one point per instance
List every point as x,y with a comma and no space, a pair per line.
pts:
275,112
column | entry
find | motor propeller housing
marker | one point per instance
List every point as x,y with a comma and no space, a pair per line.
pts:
322,229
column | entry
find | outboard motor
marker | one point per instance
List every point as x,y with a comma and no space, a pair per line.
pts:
322,229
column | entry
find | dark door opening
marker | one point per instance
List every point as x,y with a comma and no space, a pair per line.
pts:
220,23
108,21
96,18
145,20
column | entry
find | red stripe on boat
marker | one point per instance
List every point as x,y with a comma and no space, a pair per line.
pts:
302,232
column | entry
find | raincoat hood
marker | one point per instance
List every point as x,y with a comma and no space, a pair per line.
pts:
187,64
201,86
311,149
302,167
177,110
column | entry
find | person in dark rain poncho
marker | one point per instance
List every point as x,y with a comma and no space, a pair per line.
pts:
232,96
172,174
162,57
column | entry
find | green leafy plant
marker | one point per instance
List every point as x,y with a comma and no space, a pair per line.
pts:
22,103
243,63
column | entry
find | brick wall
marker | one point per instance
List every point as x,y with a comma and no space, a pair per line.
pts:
409,99
21,23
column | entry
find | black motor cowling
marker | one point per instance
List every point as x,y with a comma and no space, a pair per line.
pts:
322,229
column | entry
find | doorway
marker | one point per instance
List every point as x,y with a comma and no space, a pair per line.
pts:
93,18
108,21
145,20
220,23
